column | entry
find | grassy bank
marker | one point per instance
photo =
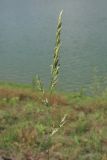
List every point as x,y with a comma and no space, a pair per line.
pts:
26,125
45,125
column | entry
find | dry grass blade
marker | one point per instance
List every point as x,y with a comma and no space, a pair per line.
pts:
62,122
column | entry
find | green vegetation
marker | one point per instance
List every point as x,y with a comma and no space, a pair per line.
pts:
74,127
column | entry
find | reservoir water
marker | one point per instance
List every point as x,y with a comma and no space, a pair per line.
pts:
27,38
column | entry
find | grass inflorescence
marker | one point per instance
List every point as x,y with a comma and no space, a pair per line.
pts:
37,83
55,66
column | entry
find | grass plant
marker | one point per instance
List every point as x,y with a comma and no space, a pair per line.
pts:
54,67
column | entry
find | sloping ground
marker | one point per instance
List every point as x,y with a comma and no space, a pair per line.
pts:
26,126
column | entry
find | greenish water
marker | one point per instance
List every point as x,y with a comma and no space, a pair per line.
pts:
27,38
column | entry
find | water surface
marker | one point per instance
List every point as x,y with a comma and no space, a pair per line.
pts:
27,38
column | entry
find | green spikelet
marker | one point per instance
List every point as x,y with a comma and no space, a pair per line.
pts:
55,66
39,84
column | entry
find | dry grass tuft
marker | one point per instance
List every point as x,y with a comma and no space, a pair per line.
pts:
28,94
